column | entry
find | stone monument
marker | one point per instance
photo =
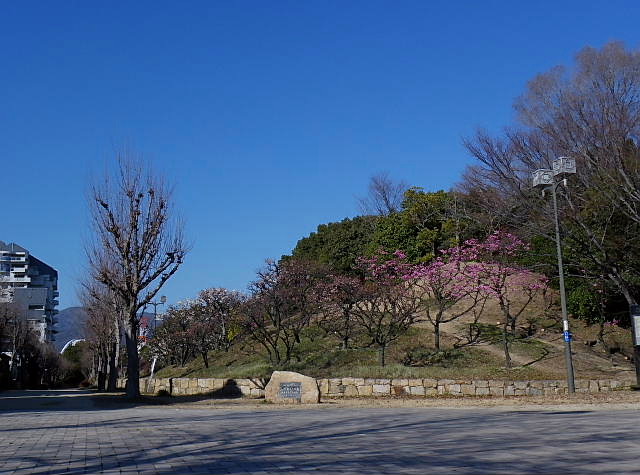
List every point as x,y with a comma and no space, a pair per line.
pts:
287,387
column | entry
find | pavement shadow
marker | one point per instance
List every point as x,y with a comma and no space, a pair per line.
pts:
56,400
92,400
366,441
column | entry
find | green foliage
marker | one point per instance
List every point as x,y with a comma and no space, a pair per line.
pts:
584,302
427,223
72,357
73,353
393,233
541,257
235,330
338,245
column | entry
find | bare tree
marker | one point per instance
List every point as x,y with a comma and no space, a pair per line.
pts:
385,196
283,300
174,341
13,332
137,246
385,313
32,363
340,294
216,320
590,113
103,332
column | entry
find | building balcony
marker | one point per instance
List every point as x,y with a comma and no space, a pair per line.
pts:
6,258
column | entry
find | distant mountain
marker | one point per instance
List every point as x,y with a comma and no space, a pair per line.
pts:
70,325
71,322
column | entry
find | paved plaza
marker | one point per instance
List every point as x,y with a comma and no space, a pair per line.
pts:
69,432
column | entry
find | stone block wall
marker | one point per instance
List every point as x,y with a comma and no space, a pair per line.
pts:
253,388
367,387
355,387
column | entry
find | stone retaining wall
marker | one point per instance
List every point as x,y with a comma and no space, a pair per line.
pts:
356,387
190,386
365,387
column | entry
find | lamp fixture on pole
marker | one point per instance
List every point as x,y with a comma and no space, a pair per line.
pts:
162,301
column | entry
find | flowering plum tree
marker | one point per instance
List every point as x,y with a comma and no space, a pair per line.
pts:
448,291
492,264
389,303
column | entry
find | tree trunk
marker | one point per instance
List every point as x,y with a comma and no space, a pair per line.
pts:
101,379
100,383
347,329
600,337
113,368
436,336
133,361
624,288
505,342
205,359
382,355
93,372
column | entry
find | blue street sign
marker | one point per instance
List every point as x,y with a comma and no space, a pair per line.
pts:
567,336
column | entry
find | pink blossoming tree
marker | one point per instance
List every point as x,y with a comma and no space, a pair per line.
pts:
389,304
448,290
492,264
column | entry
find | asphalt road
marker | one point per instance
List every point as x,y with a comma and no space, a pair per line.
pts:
69,432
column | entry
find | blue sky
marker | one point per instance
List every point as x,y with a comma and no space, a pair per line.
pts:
269,117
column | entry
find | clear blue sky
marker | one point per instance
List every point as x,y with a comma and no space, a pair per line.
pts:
270,117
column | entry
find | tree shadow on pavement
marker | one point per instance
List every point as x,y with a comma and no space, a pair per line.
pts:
365,441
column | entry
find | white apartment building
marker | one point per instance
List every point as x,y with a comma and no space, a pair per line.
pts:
31,287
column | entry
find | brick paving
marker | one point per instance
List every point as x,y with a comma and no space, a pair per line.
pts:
66,432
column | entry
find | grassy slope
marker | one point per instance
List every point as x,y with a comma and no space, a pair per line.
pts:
322,357
537,357
540,356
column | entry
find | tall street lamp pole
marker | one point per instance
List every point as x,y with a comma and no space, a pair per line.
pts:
545,179
635,323
162,301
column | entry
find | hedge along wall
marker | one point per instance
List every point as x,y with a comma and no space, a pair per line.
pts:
364,387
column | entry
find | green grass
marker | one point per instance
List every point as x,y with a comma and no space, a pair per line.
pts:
321,357
532,348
